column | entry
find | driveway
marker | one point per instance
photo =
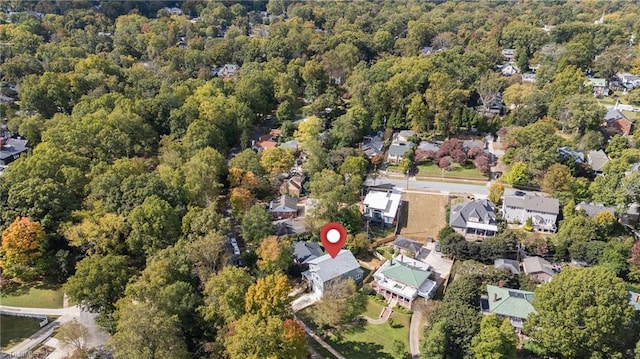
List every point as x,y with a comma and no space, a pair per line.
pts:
305,300
415,334
440,266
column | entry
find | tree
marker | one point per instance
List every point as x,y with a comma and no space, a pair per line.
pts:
434,345
269,296
488,88
581,313
144,331
557,179
354,165
203,176
74,334
277,160
240,200
444,97
274,255
340,304
417,113
23,244
255,337
518,174
399,348
224,295
285,112
256,224
483,164
517,94
102,235
99,282
496,191
496,339
154,226
617,144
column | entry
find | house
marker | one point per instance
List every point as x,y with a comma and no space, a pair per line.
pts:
474,219
293,186
426,50
634,300
290,227
543,211
397,150
304,252
173,11
372,145
325,271
599,86
403,136
6,100
529,77
403,280
11,148
615,121
509,54
283,207
597,160
381,207
228,71
509,70
291,145
568,152
469,144
410,247
508,303
593,209
629,81
428,146
538,269
508,264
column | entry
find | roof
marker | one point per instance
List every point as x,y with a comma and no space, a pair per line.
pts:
293,144
597,82
428,146
533,265
306,251
613,114
597,159
406,134
290,226
512,303
399,149
634,300
623,125
296,181
404,273
510,264
534,203
468,144
480,212
12,147
593,209
384,201
283,203
407,244
329,268
577,156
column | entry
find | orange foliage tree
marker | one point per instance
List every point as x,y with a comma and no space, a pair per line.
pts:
22,245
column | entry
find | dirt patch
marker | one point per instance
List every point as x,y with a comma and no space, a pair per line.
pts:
422,215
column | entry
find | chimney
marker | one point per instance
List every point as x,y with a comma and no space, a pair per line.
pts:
636,297
501,284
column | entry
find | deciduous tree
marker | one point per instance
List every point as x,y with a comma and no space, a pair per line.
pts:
256,224
23,243
274,255
269,296
340,304
224,295
496,339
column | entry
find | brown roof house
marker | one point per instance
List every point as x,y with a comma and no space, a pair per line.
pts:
615,122
293,186
283,207
538,269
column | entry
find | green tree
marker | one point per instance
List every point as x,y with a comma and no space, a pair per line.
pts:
496,339
102,235
285,112
74,334
277,160
224,295
256,337
204,173
144,331
518,174
417,114
617,144
496,191
557,179
340,304
99,282
256,224
154,226
444,97
354,165
582,313
434,345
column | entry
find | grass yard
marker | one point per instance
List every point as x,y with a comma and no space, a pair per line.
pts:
33,296
373,340
465,171
374,309
14,329
425,215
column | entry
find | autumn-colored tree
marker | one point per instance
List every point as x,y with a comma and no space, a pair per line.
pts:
496,190
274,255
254,337
235,176
294,339
277,160
240,199
269,296
22,245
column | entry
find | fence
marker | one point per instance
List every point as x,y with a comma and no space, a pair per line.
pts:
43,318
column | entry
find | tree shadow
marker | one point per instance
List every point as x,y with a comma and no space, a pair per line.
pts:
355,350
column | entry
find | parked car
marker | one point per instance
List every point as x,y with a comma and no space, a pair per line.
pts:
234,241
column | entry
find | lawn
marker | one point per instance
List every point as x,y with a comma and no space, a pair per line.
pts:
33,296
425,215
464,171
374,309
372,340
14,329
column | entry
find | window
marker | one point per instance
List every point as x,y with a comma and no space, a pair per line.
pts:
358,276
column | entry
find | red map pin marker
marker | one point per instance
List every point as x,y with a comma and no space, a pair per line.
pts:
333,236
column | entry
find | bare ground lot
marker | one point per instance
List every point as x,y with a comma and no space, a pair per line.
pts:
422,215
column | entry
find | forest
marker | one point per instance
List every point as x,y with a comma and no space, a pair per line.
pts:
141,117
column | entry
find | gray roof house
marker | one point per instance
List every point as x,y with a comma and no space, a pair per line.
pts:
634,300
542,210
403,244
290,227
538,268
475,219
304,252
11,149
593,209
325,271
283,207
597,160
568,152
508,264
372,145
397,150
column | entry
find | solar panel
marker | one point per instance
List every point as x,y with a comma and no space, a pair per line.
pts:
516,294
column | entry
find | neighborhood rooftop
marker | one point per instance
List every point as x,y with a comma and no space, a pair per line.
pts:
329,268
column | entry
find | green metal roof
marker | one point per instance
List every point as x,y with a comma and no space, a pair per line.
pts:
510,302
405,274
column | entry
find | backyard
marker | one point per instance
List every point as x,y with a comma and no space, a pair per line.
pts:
423,216
41,295
458,171
15,329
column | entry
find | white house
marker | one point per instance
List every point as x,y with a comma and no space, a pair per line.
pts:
325,271
381,206
404,279
543,211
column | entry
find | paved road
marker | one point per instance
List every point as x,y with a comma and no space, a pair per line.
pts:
414,334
